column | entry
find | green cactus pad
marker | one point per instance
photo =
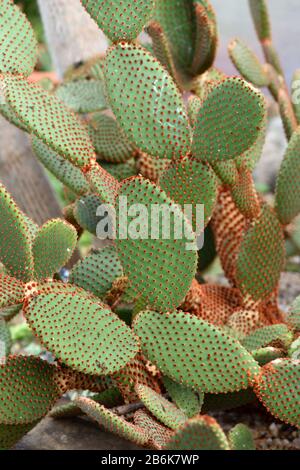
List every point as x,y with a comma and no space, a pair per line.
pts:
5,340
261,18
261,256
277,387
265,355
177,20
247,63
52,248
12,291
226,171
11,116
15,246
206,38
98,271
33,228
18,44
201,433
150,167
83,96
161,408
190,29
165,338
194,105
187,400
158,434
10,434
111,422
251,157
121,171
164,130
138,371
28,389
293,315
191,182
62,169
52,287
288,183
287,114
161,48
109,140
240,438
85,212
102,183
245,196
162,285
83,334
120,20
243,322
230,107
205,82
49,119
265,336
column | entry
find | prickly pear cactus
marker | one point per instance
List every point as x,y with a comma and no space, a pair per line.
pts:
139,140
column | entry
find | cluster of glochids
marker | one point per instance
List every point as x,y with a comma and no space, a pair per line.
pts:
133,325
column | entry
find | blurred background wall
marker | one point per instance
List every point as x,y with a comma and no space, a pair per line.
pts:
234,20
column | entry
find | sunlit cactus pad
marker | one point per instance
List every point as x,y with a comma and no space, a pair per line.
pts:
165,338
288,183
164,130
161,408
26,397
248,64
277,386
53,247
64,170
98,271
186,399
229,108
170,266
112,422
201,433
12,291
18,44
192,182
15,249
83,96
120,19
158,434
49,119
261,256
85,335
109,141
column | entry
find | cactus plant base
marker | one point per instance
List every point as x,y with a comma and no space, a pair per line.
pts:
81,434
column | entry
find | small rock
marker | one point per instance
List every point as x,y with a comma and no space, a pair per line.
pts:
274,430
296,443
